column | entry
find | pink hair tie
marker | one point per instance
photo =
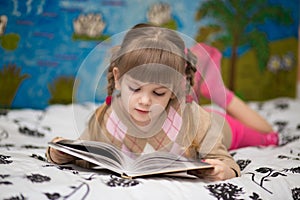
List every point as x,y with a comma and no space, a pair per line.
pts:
189,98
108,100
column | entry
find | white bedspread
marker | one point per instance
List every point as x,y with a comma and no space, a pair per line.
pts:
267,173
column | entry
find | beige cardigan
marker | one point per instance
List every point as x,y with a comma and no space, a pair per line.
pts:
208,135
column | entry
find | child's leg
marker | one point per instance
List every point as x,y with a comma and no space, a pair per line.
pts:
208,78
243,136
212,87
239,110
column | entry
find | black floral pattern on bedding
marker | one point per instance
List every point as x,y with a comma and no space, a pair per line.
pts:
5,159
255,196
38,178
296,193
27,127
19,197
260,176
229,191
243,163
225,191
32,128
3,181
63,168
115,181
294,170
84,187
268,175
80,191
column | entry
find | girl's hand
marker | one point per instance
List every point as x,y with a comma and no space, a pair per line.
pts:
219,172
57,156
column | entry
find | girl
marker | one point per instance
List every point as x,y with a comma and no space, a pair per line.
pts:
150,107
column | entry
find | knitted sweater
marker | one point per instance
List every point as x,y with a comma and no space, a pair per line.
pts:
194,133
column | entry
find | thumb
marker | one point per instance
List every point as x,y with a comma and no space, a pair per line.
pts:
212,161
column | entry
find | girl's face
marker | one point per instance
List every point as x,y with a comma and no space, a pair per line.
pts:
143,101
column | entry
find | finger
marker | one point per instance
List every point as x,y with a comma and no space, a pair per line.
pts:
213,161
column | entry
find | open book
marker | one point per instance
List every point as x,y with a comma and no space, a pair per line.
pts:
106,156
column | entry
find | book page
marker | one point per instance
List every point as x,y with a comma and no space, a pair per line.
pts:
107,156
164,162
100,154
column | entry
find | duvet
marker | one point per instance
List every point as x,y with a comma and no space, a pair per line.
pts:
267,172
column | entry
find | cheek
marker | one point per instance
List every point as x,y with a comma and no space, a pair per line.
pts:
128,100
157,109
162,102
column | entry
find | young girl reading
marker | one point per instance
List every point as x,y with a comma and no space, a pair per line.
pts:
150,105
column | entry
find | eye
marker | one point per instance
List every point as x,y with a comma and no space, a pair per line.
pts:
159,93
133,89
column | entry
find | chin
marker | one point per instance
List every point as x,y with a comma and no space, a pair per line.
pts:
140,121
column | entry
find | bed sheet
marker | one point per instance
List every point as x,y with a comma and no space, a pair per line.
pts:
267,172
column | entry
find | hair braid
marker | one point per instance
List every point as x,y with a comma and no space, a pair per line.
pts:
190,69
189,126
110,81
110,77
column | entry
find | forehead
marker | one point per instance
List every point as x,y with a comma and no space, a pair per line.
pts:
156,74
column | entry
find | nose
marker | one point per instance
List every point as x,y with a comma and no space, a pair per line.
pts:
145,99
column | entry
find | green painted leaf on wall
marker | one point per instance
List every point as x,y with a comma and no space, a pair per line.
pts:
62,90
10,80
10,41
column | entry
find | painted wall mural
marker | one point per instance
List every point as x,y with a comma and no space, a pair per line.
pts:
51,50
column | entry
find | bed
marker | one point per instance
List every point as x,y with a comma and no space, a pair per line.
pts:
267,172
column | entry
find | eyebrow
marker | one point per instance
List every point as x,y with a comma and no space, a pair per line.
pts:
139,83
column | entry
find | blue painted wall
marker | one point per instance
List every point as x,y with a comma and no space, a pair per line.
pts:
46,49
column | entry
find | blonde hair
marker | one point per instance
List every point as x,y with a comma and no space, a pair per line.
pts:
149,44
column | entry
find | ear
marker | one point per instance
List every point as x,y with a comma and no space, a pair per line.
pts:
116,74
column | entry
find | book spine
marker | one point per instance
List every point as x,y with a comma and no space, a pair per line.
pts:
125,176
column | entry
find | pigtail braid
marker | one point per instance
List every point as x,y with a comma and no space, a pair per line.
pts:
110,82
110,76
190,69
190,125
